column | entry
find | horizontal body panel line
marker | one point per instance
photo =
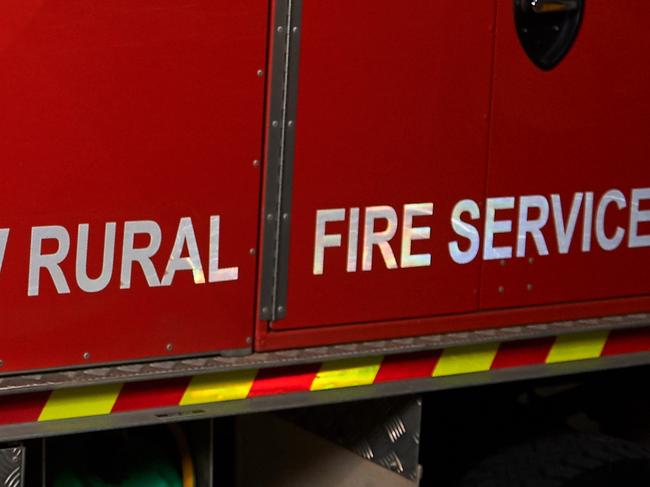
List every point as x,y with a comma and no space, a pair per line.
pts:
106,406
181,370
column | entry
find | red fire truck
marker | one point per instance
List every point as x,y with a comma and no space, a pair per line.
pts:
216,208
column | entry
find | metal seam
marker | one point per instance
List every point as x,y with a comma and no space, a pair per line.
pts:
57,380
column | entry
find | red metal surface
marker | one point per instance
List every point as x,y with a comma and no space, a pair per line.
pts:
331,335
577,128
392,110
135,396
122,111
165,393
581,127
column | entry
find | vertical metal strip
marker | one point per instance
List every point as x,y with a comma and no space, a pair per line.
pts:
281,142
282,264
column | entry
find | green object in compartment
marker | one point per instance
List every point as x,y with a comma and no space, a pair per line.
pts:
136,462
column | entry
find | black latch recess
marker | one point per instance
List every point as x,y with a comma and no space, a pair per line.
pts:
548,28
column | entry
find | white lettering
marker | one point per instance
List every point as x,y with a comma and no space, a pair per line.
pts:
322,240
4,236
38,261
638,216
215,274
493,226
371,238
587,221
606,243
532,227
86,283
410,233
353,240
142,256
564,233
463,229
184,237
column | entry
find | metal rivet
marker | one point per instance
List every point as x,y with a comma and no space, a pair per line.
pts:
280,28
290,123
285,216
252,251
503,263
169,347
86,355
501,290
265,310
269,217
275,123
529,287
260,73
249,340
256,163
531,260
280,309
295,29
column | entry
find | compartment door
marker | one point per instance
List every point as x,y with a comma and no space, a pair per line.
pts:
391,131
128,131
574,127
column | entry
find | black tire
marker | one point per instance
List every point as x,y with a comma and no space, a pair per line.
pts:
567,460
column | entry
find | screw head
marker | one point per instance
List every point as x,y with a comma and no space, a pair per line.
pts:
280,28
531,260
529,287
275,123
256,163
280,309
265,310
260,73
269,216
501,290
295,29
290,123
252,251
86,355
503,262
249,340
170,347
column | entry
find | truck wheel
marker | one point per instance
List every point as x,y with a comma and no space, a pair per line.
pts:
567,460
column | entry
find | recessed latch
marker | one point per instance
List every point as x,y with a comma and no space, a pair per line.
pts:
547,29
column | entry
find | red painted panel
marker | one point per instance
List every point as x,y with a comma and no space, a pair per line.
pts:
22,408
581,127
116,111
407,366
525,352
283,380
152,394
628,341
392,110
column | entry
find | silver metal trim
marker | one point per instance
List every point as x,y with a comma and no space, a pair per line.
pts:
12,466
204,365
281,151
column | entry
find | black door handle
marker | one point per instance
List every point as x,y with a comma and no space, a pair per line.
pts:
551,6
547,29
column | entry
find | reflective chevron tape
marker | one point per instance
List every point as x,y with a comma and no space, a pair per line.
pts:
100,400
